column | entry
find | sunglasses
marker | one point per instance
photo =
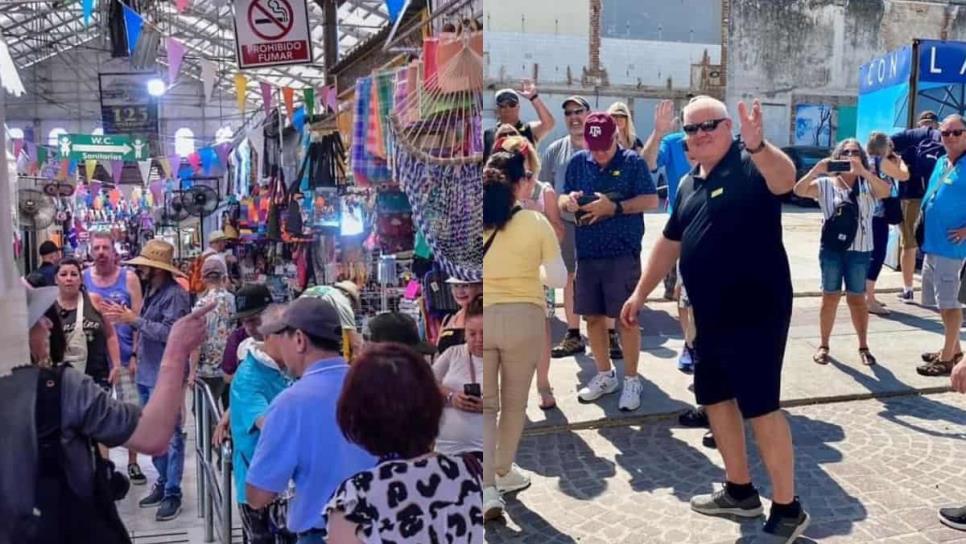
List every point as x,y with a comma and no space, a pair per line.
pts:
708,126
957,133
507,104
851,153
578,111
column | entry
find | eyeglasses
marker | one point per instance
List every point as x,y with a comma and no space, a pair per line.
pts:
956,132
578,111
851,153
707,126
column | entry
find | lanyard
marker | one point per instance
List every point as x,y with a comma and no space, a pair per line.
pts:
472,366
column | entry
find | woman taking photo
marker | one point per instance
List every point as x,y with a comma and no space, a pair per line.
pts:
413,494
452,330
891,168
92,344
843,185
521,255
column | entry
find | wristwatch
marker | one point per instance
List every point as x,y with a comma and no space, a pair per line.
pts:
758,149
618,208
534,97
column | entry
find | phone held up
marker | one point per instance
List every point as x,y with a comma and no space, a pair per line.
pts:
472,390
839,166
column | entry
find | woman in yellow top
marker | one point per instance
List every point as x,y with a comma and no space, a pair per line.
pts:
521,256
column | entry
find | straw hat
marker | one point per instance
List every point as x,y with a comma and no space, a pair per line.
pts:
157,254
217,236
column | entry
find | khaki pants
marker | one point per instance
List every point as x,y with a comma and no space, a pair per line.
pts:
512,343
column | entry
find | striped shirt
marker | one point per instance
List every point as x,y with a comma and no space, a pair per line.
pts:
831,194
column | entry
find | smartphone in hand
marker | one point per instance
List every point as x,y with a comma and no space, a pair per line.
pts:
472,390
839,166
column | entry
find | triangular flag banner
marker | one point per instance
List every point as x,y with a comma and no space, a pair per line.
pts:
267,97
241,86
145,168
209,72
288,94
62,172
208,158
157,190
88,6
71,167
181,5
194,160
394,7
133,23
298,119
117,170
32,150
175,56
41,155
331,98
90,166
223,150
310,101
165,167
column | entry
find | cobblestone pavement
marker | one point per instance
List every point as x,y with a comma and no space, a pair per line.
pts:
867,471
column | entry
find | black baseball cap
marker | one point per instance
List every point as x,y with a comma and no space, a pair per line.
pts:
398,328
576,99
48,248
928,115
251,300
314,316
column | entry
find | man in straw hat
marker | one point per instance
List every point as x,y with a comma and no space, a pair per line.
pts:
164,303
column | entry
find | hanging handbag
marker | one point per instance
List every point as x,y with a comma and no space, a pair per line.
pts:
276,201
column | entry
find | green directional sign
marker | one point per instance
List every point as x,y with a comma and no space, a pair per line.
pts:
109,147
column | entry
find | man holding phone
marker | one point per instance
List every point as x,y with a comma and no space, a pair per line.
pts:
608,188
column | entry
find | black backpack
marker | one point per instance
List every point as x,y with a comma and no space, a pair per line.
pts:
65,517
927,153
839,230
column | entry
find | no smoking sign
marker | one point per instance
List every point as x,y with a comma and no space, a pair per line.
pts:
272,33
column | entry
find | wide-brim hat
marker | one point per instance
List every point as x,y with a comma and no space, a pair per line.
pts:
351,290
217,236
157,254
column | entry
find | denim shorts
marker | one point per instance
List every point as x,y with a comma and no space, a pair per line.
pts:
852,267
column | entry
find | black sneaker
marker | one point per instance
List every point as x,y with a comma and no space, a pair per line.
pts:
569,346
170,508
708,441
154,499
615,346
782,530
953,517
135,475
906,296
694,418
720,503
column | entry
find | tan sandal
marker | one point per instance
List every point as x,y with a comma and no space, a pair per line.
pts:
821,355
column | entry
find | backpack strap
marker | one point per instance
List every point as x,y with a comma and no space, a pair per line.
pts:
489,241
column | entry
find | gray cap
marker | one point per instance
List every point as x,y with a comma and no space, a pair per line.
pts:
314,316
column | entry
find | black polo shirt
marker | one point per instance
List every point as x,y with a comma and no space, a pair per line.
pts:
733,261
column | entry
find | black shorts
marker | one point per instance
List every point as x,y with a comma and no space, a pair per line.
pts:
602,286
744,364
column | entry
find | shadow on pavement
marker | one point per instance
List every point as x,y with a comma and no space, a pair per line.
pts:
900,410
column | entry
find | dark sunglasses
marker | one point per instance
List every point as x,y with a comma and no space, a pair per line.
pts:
708,126
507,104
851,153
956,132
578,111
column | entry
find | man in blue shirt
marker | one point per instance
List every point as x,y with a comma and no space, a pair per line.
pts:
300,439
944,244
608,188
668,150
165,302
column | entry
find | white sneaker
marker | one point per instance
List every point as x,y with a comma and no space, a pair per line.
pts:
600,385
493,504
631,395
515,480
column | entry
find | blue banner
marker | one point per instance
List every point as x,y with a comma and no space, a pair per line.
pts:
133,24
942,62
394,7
893,68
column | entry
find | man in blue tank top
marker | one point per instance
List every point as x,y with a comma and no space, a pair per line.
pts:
118,286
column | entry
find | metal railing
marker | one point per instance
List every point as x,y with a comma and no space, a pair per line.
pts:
214,478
